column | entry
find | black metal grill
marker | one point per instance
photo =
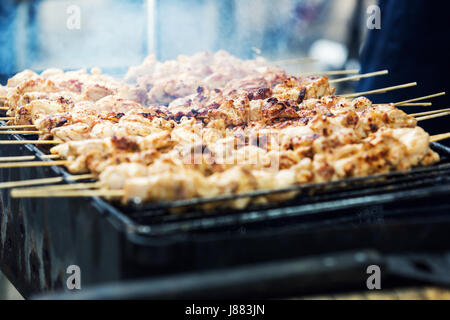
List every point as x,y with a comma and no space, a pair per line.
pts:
395,212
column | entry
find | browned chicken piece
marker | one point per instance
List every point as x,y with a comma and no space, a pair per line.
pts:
20,78
82,153
74,132
77,152
92,86
167,179
116,176
62,97
417,143
382,152
168,186
129,125
47,115
203,98
234,181
36,109
33,85
300,89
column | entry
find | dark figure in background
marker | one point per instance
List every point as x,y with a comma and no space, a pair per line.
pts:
412,44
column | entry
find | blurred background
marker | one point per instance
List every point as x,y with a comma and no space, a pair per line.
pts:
115,34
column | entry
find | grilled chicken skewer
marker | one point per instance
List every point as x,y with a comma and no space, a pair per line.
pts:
56,109
168,179
97,119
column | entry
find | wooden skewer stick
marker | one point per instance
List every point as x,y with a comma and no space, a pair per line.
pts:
65,187
420,99
50,156
439,115
440,137
417,104
80,177
383,90
7,118
13,184
30,142
21,126
21,132
4,108
34,182
69,194
428,113
361,76
26,164
18,158
331,73
28,158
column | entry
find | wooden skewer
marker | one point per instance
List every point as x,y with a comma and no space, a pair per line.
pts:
21,126
28,158
4,108
383,90
361,76
21,132
65,187
13,184
18,158
428,113
30,142
421,98
440,137
411,102
7,118
439,115
33,182
69,194
331,73
26,164
80,177
50,156
417,104
420,104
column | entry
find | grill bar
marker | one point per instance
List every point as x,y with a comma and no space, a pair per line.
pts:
366,186
205,223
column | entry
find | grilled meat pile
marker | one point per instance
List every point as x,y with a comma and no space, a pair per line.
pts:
227,126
